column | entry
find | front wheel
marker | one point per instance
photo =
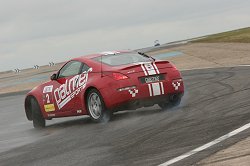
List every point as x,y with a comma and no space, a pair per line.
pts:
96,107
37,117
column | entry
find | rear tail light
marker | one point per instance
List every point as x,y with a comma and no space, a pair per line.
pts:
119,76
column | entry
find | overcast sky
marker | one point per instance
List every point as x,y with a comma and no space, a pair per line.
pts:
40,31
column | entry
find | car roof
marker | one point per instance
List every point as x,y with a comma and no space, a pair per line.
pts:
88,59
91,56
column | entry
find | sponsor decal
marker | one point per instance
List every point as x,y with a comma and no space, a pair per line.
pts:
131,71
133,92
51,115
70,89
126,88
176,85
78,111
155,88
49,107
48,89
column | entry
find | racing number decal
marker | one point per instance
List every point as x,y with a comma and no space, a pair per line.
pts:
48,102
47,98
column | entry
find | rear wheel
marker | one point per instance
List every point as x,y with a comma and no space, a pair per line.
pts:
37,117
96,107
174,101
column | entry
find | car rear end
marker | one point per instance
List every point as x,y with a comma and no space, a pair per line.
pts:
144,82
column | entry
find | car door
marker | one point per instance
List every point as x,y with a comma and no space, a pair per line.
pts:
65,86
79,104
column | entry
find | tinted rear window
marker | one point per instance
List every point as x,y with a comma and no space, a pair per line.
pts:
122,59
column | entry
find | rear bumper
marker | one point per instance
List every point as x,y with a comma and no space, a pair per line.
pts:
142,94
145,102
135,94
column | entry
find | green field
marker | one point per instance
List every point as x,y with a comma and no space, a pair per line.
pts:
235,36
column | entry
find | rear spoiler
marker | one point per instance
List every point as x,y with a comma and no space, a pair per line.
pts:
143,54
139,64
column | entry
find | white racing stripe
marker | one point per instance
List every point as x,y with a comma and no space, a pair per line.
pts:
144,70
150,89
64,102
150,68
216,141
155,89
156,68
162,88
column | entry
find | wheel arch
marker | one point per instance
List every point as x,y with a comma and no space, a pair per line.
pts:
27,106
86,94
105,116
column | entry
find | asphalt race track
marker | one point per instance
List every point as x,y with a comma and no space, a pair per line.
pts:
216,102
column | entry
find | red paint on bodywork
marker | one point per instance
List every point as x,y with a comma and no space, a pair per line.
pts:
107,86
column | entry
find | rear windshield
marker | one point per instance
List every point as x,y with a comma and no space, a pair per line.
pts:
122,59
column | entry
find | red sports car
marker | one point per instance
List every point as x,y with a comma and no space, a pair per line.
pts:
100,84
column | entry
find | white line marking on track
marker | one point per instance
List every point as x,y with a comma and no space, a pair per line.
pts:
215,67
244,65
216,141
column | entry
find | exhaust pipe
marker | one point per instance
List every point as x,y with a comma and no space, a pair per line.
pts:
174,97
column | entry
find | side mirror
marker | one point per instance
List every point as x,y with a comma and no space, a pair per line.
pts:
53,77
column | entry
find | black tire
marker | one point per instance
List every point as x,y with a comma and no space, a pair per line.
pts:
97,111
172,103
37,117
164,106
